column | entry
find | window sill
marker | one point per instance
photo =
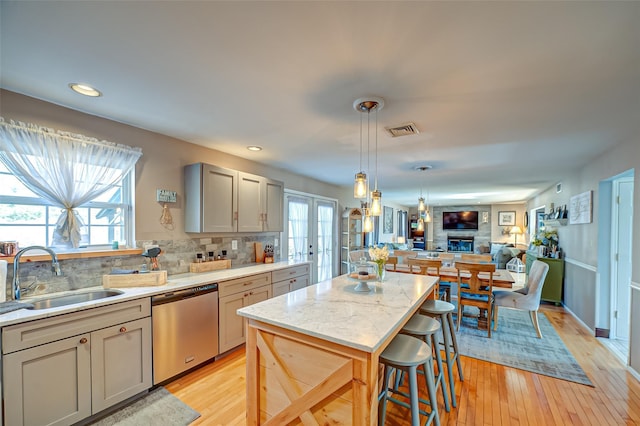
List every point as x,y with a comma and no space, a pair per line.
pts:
79,254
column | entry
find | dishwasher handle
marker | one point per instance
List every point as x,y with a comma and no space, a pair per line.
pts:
187,293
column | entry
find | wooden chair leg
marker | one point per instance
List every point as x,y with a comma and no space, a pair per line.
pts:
534,321
459,320
495,318
489,316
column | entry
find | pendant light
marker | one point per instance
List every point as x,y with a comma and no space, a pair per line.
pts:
360,187
366,105
423,210
367,220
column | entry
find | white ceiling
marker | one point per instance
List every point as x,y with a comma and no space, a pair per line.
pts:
507,96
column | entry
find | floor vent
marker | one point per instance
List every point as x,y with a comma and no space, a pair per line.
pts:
403,130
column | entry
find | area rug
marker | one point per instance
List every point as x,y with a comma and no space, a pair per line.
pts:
516,345
158,408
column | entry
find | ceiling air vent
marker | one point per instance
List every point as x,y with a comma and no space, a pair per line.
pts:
403,130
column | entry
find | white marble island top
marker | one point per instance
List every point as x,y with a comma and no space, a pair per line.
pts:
332,311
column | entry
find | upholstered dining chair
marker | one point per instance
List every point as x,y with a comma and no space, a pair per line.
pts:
526,299
476,290
427,267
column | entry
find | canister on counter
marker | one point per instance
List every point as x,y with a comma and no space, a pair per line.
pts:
8,248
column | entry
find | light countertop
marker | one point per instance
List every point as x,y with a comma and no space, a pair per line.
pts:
174,282
333,311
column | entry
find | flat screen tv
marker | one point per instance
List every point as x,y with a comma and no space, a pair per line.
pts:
460,220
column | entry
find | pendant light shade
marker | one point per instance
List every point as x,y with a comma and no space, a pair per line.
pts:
367,221
427,216
376,203
421,206
420,224
360,187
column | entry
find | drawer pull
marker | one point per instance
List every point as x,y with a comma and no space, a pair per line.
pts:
83,340
248,283
123,329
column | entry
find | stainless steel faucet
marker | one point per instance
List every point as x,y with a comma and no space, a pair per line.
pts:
55,267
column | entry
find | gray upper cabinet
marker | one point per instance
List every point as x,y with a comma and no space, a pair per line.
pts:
224,200
210,198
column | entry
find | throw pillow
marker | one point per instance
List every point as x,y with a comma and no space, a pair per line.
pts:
495,248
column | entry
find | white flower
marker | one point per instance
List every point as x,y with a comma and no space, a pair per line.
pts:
379,253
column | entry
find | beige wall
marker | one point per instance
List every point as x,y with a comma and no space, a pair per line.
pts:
160,166
586,284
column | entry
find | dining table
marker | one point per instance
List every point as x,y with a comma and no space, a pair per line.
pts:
501,278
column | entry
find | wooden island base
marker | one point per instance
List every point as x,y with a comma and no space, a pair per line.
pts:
294,378
313,354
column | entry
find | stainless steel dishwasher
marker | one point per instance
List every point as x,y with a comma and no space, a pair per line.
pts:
185,330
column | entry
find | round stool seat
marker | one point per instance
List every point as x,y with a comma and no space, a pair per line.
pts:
405,351
437,307
421,325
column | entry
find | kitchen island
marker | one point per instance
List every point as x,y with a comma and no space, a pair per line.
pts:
313,353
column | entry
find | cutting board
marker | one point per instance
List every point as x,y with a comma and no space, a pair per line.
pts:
259,253
212,265
147,279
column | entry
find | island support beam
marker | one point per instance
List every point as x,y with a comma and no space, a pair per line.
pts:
297,378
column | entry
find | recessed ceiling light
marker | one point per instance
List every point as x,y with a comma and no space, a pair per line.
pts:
85,89
254,148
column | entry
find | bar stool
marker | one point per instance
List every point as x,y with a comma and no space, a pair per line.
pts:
406,353
444,310
426,328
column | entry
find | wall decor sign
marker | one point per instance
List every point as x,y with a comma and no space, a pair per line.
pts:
580,208
387,220
506,218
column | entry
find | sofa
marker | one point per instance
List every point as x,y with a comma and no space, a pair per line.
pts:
501,253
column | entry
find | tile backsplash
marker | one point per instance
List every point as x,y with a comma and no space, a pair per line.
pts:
175,258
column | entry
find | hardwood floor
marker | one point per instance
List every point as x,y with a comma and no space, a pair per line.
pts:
490,395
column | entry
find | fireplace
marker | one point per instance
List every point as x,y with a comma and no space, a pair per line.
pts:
460,244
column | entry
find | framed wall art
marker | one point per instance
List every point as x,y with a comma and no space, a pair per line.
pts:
506,218
580,208
387,220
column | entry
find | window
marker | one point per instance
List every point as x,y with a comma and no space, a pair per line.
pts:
30,220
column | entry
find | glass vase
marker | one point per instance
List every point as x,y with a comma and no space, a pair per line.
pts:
381,272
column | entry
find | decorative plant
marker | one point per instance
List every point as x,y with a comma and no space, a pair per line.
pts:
380,255
546,238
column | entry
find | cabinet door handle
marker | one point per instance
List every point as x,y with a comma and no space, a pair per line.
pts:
123,329
248,283
83,340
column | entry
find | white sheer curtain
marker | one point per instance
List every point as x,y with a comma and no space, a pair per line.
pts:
66,169
298,226
325,222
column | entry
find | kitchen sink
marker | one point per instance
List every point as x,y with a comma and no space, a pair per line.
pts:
73,298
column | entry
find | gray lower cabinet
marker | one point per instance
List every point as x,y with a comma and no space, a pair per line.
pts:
233,295
48,384
60,370
290,279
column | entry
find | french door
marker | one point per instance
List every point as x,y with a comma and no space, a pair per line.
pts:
311,233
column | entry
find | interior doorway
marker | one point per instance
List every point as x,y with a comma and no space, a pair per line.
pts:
311,233
621,247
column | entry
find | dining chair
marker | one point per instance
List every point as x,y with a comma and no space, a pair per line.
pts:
429,267
474,290
479,258
526,299
391,263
